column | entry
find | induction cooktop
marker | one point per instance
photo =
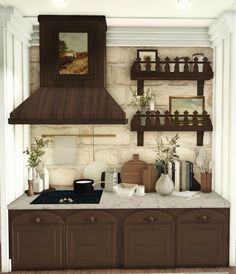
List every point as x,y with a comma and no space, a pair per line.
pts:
68,197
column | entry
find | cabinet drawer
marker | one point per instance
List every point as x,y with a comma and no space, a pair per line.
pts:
202,239
37,241
149,239
91,240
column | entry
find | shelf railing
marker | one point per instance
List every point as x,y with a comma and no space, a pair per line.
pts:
172,70
154,121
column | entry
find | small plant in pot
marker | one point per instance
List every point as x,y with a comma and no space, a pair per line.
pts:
34,159
166,153
141,102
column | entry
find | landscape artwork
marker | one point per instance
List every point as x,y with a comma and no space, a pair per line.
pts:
187,103
73,53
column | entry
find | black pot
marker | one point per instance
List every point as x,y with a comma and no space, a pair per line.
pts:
83,186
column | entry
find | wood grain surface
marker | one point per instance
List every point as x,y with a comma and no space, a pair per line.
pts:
131,171
149,177
68,106
230,270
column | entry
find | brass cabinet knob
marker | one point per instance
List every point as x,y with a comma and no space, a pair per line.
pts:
151,219
37,220
92,219
204,218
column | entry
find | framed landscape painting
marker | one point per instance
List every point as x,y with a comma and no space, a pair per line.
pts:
72,50
181,104
73,53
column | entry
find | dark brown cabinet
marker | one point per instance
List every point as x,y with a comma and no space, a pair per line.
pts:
202,238
37,241
113,238
149,239
91,240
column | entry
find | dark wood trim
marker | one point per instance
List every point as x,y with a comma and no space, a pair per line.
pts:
172,122
162,72
68,106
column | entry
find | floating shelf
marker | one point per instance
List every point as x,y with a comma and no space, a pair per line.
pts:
161,70
154,121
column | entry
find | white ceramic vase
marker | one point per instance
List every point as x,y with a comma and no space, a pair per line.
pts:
164,185
32,173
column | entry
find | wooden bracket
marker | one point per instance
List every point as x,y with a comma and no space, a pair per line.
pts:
140,87
140,137
200,135
200,87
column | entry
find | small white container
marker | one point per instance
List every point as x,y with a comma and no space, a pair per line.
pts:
38,184
125,190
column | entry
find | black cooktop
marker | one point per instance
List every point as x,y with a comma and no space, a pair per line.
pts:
68,197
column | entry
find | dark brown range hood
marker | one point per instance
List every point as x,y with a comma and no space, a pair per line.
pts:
70,98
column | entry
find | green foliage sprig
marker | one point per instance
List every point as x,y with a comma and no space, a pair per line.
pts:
166,152
36,152
140,101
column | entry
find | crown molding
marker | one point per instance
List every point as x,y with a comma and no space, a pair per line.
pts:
149,36
16,24
148,22
222,27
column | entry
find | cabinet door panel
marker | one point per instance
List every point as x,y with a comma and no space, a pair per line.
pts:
37,243
149,245
149,240
202,239
91,243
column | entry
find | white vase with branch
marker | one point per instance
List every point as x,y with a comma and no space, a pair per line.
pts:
166,153
34,159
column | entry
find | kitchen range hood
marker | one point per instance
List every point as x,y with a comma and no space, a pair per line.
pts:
72,75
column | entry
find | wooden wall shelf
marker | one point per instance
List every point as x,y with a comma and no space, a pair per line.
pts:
154,121
161,70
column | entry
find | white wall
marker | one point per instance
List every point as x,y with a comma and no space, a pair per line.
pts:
223,36
14,88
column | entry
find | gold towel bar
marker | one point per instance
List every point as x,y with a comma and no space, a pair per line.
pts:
79,135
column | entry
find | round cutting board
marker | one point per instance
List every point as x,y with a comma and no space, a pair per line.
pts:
131,171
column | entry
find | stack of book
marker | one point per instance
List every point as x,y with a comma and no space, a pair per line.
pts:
181,173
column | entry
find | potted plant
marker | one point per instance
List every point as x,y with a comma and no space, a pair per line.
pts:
141,101
34,158
166,153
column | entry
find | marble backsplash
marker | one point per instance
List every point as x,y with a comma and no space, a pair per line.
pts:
119,149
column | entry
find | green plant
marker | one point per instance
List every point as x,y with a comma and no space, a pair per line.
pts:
140,101
36,152
166,152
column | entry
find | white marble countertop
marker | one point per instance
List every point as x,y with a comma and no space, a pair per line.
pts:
110,200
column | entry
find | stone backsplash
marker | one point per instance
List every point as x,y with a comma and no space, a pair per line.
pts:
117,150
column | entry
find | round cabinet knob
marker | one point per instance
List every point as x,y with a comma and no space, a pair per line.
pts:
92,219
204,218
37,220
151,219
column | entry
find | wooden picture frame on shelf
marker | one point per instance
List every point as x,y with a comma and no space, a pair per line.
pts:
147,55
186,103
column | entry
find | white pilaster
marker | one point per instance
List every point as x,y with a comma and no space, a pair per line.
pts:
15,33
223,37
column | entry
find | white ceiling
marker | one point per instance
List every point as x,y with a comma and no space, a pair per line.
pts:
200,9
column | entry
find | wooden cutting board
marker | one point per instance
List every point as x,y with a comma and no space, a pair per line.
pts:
149,177
131,171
